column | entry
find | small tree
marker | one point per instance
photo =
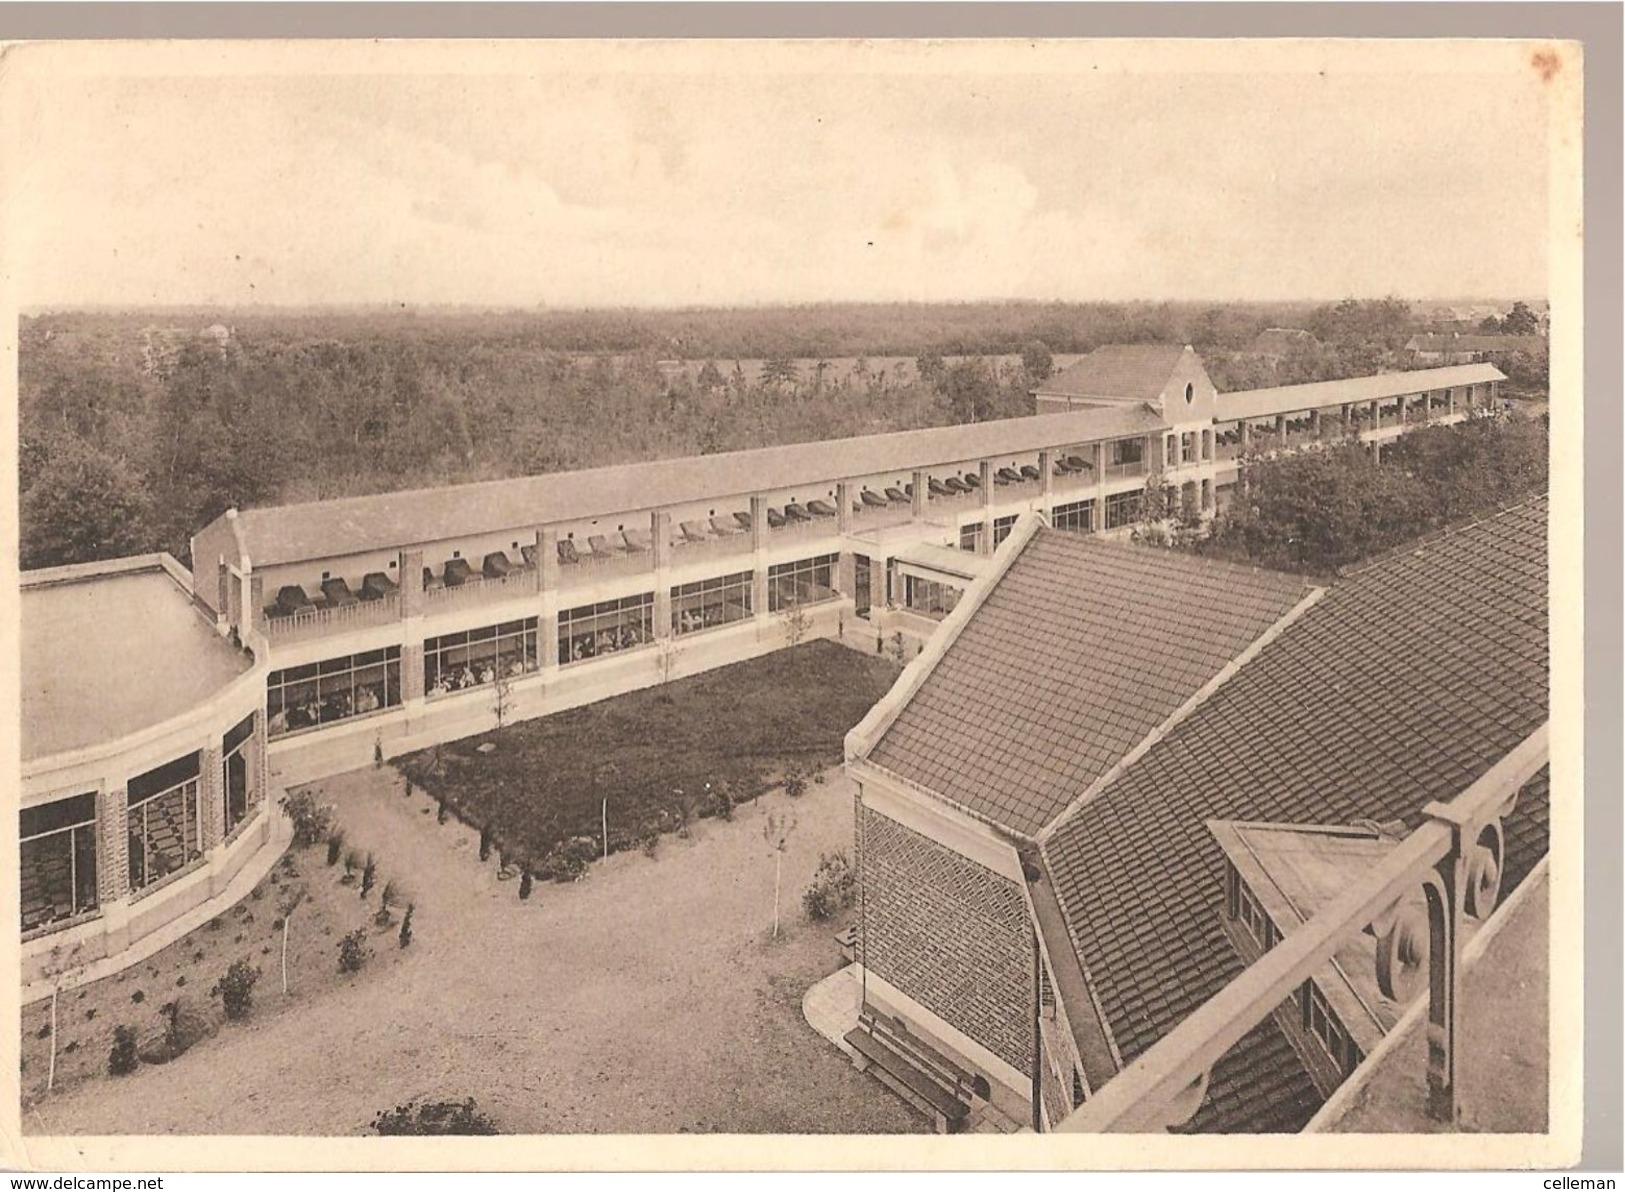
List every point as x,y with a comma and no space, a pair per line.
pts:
236,989
335,845
290,903
524,883
311,820
378,752
486,836
776,831
353,951
796,625
899,648
669,653
123,1058
386,899
369,874
502,697
833,887
353,860
406,927
57,968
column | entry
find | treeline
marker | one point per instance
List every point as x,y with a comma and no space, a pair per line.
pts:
1322,511
136,430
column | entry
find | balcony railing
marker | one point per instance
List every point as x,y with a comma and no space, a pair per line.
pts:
1455,857
591,568
480,589
876,517
1119,471
687,550
320,621
820,527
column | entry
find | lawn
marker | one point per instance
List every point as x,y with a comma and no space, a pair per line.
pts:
660,756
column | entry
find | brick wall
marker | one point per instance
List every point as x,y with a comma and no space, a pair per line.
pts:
952,935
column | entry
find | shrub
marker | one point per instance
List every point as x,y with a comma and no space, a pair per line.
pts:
440,814
369,874
311,820
353,860
122,1059
182,1028
832,889
335,845
486,836
722,801
795,784
436,1117
353,951
377,753
651,845
406,927
236,988
524,884
567,860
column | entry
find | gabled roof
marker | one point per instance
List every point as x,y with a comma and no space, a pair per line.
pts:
1078,650
1403,685
1286,399
1117,372
330,529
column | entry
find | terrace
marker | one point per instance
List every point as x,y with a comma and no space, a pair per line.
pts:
318,620
1126,458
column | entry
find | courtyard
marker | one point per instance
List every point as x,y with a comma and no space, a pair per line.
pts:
650,997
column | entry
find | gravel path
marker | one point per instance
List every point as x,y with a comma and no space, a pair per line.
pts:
649,998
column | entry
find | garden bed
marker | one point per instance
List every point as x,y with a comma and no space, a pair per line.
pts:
661,757
186,972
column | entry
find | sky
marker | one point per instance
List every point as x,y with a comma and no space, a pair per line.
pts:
677,174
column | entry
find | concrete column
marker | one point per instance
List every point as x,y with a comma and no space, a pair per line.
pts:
660,525
411,582
846,581
256,600
1207,446
758,545
1450,402
547,560
1376,407
1098,522
843,507
984,544
1314,423
1245,426
112,846
1280,428
211,796
919,494
1046,481
412,671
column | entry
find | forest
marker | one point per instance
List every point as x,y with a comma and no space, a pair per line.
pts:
138,428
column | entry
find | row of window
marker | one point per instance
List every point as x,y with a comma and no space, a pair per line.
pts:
164,824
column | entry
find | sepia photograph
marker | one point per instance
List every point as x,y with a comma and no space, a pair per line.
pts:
932,592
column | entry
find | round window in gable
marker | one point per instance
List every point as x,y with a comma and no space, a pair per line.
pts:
1190,393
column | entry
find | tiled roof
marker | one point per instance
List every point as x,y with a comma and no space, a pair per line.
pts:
1124,372
1403,685
1287,399
329,529
1080,650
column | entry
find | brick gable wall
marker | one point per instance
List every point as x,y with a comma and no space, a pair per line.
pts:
949,933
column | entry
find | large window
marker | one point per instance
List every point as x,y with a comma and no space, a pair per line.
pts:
597,629
930,597
1122,509
1252,915
1002,527
165,821
238,777
58,860
1127,451
322,692
806,581
1079,517
474,657
1323,1024
711,602
970,536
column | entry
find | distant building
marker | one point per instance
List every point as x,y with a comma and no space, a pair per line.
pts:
1470,348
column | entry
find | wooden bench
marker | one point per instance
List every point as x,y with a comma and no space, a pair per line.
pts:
912,1068
847,940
